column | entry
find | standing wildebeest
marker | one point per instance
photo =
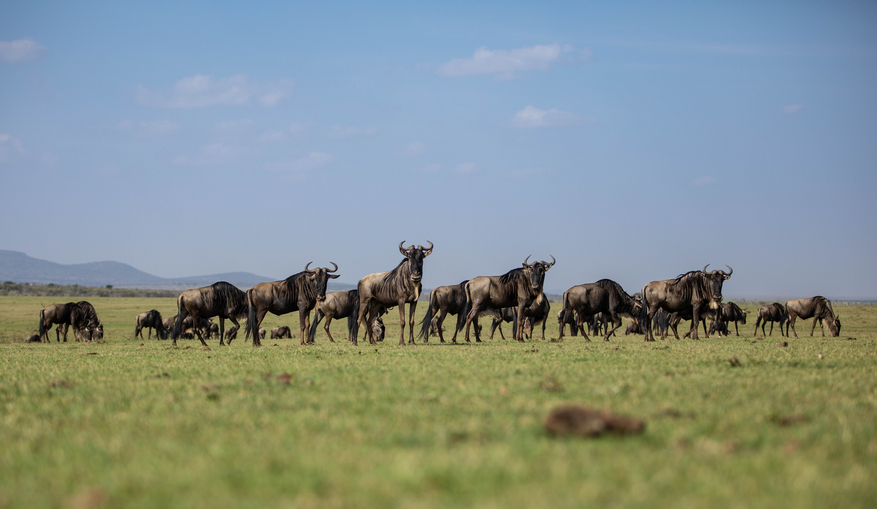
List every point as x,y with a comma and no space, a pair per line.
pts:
775,312
394,288
815,307
281,332
60,314
342,305
731,313
533,315
564,319
219,299
299,292
443,301
149,320
518,287
537,313
696,291
604,296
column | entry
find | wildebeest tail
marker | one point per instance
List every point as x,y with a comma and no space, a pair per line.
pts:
353,320
251,318
178,325
318,315
43,324
427,320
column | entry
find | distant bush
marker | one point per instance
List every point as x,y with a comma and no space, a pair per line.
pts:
10,288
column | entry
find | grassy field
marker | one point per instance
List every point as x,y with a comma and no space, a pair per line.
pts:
133,423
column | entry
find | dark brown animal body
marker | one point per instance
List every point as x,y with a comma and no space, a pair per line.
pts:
518,288
443,301
299,292
535,314
281,332
696,291
394,288
604,296
149,320
343,305
231,333
92,326
220,299
730,313
815,307
564,319
57,314
775,312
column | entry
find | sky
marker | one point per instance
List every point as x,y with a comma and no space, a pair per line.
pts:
630,140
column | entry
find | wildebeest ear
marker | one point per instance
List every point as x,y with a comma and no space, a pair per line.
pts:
334,276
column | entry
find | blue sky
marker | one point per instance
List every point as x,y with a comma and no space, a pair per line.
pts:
631,140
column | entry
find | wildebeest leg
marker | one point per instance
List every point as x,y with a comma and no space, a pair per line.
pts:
473,314
401,322
411,309
580,325
477,331
814,328
615,321
326,325
439,323
519,322
257,321
196,322
791,323
303,318
736,329
695,321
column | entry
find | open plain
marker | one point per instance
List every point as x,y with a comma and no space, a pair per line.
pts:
731,422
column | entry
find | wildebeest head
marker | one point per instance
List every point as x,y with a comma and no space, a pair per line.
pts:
834,326
321,276
415,257
715,279
535,272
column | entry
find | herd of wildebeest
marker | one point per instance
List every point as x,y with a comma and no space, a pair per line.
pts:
515,297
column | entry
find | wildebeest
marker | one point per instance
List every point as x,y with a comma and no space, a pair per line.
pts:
695,291
633,327
775,312
342,305
443,301
604,296
231,333
149,320
281,332
518,287
33,339
814,307
660,323
211,331
60,314
91,323
564,319
719,327
220,299
261,333
393,288
732,313
299,292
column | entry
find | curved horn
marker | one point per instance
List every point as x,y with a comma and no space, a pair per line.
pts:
553,261
402,249
333,270
525,260
705,266
428,251
308,265
730,271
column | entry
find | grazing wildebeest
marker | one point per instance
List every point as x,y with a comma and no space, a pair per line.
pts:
815,307
60,314
775,312
211,331
604,296
149,320
518,287
168,324
299,292
220,299
732,313
342,305
696,291
281,332
261,333
91,323
443,301
393,288
633,327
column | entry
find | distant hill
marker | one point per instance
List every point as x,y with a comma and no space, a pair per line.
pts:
21,268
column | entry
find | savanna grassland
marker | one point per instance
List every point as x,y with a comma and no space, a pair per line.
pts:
136,423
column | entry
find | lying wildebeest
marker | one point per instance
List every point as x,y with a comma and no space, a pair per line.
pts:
393,288
342,305
281,332
815,307
604,296
60,314
633,327
33,339
694,291
775,312
299,292
443,301
188,329
220,299
149,320
518,287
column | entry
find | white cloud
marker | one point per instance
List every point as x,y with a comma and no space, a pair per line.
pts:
531,116
20,50
465,168
201,91
344,132
504,63
311,162
791,109
703,181
413,149
213,154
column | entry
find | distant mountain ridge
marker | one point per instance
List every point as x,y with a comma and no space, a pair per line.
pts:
21,268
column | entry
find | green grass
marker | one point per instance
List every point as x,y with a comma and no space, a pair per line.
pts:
139,424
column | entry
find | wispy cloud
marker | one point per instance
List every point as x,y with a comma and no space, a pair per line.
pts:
791,109
213,154
415,148
532,116
311,162
505,63
344,132
20,50
704,181
200,91
9,146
